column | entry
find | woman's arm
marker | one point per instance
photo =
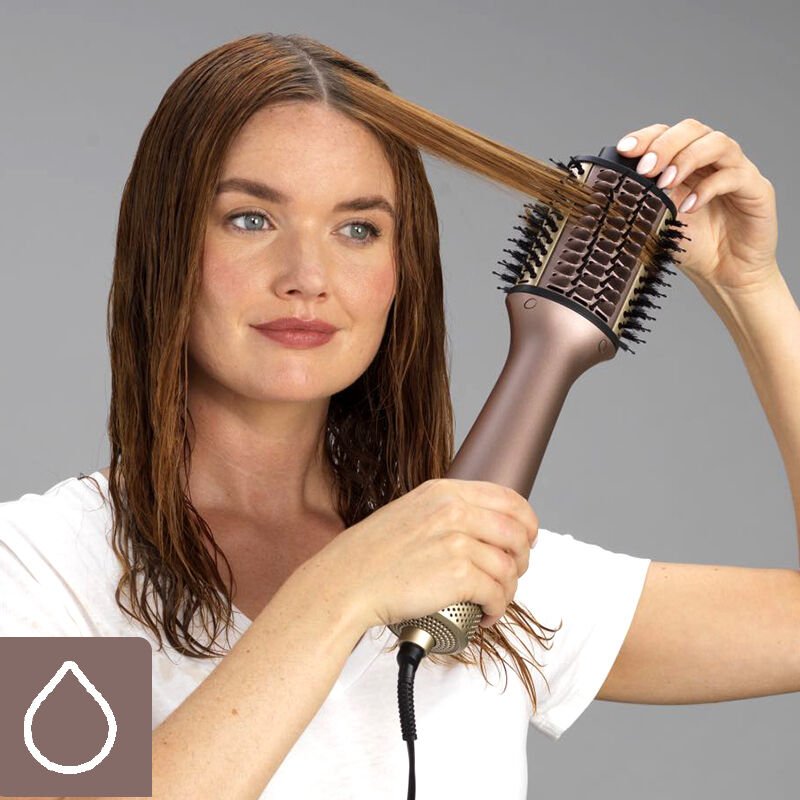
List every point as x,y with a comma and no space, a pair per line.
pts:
705,633
765,324
230,735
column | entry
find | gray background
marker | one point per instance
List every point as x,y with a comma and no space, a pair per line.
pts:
665,454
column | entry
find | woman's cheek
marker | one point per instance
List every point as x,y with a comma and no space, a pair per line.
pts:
381,287
367,287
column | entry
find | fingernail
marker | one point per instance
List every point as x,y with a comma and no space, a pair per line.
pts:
626,143
688,202
646,163
667,176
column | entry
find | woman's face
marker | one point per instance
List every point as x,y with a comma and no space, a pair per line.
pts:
297,258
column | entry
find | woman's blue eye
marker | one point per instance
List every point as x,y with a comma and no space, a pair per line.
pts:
373,231
249,215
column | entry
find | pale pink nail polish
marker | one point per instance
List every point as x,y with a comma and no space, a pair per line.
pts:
667,176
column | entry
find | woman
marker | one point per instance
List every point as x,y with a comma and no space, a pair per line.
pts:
315,472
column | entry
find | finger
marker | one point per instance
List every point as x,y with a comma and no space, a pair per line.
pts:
720,182
715,151
643,138
499,565
498,578
501,531
667,142
487,620
495,497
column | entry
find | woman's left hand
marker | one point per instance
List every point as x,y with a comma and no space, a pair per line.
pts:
733,223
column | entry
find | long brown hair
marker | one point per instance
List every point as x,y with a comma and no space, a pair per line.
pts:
388,432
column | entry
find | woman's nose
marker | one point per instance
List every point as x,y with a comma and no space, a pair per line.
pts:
302,271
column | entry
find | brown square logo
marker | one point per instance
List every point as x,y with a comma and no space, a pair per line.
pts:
76,716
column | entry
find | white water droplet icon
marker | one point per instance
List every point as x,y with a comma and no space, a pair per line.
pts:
68,769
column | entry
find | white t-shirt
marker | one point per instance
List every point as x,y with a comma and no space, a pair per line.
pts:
58,574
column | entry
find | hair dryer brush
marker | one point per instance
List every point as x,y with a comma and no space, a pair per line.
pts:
579,289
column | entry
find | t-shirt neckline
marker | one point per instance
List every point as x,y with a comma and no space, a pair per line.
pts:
364,653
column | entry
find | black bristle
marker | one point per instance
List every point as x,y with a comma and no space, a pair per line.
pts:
530,236
666,249
638,314
561,165
516,269
659,282
649,291
646,303
577,164
531,246
500,275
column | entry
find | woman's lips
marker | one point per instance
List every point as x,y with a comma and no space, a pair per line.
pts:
297,338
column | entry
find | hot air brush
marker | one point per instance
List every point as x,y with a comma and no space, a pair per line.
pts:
580,287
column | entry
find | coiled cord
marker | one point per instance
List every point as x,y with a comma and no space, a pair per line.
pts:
409,656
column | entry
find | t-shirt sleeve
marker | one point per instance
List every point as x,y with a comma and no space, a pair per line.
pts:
594,593
34,600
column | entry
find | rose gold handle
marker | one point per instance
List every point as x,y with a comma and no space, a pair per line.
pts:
551,346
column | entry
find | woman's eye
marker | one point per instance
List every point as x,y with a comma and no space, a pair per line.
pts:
372,232
248,215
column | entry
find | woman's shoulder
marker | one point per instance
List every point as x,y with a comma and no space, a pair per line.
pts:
56,519
566,548
58,571
563,569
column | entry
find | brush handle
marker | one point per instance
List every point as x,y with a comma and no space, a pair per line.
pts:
552,344
553,341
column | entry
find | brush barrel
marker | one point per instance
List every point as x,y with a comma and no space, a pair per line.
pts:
553,342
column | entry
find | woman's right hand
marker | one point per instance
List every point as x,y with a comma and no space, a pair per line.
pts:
447,540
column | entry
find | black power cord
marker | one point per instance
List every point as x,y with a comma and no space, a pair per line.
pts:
409,656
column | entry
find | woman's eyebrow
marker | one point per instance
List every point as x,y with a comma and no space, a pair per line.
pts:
271,195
